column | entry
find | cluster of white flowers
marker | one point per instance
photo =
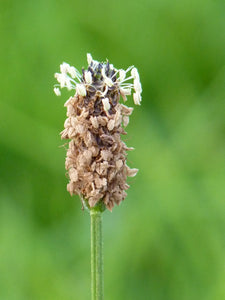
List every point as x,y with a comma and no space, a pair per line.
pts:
111,78
67,78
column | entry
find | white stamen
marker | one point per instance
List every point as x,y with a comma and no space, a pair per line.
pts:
89,58
57,91
68,84
61,78
108,81
103,72
80,88
71,79
137,86
73,72
135,74
106,104
88,77
137,98
122,75
64,67
129,68
126,91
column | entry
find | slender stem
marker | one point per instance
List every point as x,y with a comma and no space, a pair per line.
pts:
96,255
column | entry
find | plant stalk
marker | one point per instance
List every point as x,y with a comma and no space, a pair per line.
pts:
96,255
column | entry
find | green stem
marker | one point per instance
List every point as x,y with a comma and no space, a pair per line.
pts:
96,255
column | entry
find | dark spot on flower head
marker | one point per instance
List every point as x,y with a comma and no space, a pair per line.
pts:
112,75
98,71
98,107
86,100
95,79
91,91
107,140
90,69
100,65
114,98
99,141
111,110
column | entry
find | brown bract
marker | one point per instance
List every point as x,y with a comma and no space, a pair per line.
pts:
96,157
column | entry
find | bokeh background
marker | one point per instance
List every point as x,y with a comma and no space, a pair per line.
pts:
165,241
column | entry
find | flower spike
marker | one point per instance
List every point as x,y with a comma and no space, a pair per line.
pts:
96,157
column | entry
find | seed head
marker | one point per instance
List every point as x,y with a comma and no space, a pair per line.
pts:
96,156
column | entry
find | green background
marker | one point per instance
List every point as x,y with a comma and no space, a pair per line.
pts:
165,241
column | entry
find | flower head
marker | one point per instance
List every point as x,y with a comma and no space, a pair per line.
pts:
96,157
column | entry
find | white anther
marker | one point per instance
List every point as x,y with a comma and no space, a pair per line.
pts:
137,86
122,74
64,80
57,91
134,73
80,88
88,77
89,58
73,72
126,91
108,81
64,67
137,98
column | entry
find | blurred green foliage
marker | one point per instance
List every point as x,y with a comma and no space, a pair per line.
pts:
165,242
